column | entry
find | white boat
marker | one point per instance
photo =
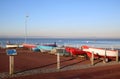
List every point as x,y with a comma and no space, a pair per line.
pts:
12,45
100,52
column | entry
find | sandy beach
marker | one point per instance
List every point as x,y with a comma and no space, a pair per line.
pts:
60,39
36,65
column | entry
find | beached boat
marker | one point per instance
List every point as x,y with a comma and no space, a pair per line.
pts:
29,45
100,52
52,45
12,45
45,48
60,50
75,51
35,49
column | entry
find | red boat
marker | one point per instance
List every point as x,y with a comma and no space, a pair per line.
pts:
29,45
74,51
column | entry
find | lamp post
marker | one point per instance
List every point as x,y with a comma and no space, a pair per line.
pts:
26,28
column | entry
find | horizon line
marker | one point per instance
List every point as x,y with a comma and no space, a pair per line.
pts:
59,37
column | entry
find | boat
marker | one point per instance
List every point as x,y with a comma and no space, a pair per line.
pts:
100,52
35,49
29,45
60,50
41,48
75,51
12,45
45,48
52,45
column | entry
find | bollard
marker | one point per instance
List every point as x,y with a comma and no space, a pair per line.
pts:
58,61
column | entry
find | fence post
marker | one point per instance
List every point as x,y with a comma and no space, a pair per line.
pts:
58,60
92,59
105,59
117,57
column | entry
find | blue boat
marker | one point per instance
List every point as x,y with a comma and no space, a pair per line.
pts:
35,49
45,48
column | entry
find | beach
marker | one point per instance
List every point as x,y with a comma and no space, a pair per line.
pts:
59,39
36,65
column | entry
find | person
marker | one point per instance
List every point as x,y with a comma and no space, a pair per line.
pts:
55,45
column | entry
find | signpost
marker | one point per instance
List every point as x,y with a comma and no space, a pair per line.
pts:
11,53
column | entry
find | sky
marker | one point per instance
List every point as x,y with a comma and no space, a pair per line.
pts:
60,18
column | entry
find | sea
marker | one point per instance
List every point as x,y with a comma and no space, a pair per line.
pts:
74,42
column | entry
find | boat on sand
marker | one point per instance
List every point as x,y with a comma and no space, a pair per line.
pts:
52,45
45,48
29,45
100,52
12,45
75,51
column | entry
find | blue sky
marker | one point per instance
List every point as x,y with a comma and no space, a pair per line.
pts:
60,18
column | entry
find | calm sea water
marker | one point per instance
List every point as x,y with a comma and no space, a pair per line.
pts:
104,43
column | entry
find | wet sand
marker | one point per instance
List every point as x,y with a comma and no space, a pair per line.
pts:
36,65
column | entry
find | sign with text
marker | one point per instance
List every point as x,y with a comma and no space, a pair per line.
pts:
11,52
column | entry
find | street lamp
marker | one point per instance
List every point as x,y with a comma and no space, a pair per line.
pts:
26,28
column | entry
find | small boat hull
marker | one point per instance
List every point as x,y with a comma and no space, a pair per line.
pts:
29,45
45,48
75,51
60,50
100,52
51,45
35,49
12,46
